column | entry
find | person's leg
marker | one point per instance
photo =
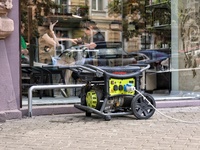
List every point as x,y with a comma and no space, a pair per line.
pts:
68,61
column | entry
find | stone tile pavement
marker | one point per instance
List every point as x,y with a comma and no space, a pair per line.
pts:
77,132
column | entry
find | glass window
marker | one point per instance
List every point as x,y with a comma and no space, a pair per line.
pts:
162,33
100,4
97,4
94,3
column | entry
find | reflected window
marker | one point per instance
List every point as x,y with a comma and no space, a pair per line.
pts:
97,5
65,8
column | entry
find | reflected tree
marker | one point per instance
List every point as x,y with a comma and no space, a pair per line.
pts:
133,15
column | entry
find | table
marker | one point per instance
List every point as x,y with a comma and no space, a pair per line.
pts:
40,74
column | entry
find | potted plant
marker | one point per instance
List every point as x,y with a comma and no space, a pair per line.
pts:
83,10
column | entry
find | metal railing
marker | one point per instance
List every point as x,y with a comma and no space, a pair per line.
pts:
44,87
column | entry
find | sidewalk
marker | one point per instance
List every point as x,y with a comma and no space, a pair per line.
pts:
77,132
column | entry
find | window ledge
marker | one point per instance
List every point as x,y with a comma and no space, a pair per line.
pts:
98,11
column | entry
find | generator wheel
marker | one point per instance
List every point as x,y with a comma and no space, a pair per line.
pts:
93,98
141,107
84,90
83,101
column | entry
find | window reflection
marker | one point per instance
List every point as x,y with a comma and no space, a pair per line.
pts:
135,31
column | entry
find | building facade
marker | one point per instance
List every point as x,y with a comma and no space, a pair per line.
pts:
10,65
170,27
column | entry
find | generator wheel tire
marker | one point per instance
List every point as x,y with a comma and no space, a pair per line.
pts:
141,107
83,101
83,95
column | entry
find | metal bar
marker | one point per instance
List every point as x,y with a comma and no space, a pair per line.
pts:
104,104
90,109
120,113
101,113
43,87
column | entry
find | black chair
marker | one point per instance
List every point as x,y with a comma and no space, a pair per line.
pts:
36,76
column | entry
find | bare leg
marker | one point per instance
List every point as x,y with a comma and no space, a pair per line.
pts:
68,61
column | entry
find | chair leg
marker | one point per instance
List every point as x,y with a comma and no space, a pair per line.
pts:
41,81
75,88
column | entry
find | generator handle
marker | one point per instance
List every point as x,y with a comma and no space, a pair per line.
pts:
97,69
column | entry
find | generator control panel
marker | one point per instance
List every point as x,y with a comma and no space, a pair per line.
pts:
121,86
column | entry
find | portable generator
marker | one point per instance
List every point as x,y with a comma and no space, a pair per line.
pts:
113,91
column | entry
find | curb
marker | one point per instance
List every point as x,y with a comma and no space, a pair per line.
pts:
177,103
70,109
50,110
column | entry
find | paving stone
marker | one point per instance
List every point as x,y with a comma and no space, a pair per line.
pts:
77,132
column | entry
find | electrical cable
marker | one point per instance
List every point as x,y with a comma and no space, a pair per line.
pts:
169,117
